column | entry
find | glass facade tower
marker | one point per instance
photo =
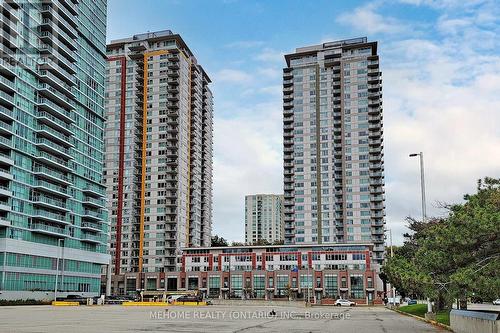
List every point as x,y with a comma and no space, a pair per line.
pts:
52,198
333,149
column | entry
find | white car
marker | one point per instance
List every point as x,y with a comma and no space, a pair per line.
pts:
172,298
496,302
344,302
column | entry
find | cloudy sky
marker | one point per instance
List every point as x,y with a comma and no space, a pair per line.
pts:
441,88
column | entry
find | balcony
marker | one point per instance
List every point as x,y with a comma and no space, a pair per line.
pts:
7,99
95,227
5,128
6,114
94,202
48,77
7,84
49,230
53,161
5,205
48,38
173,73
48,201
54,148
376,190
173,65
54,109
4,222
5,174
48,132
60,14
52,174
51,188
92,215
7,69
95,239
63,74
51,26
137,47
5,191
47,90
173,97
44,215
376,174
94,190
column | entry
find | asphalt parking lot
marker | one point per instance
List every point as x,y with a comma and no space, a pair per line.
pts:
218,319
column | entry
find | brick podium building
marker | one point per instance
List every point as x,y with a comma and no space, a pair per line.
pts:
324,272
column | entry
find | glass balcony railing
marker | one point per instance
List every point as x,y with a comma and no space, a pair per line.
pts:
53,132
52,158
51,172
48,229
50,186
41,198
56,147
50,215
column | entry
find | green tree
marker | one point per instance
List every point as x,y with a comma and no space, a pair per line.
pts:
218,241
456,256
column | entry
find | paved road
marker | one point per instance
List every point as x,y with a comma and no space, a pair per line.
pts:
219,319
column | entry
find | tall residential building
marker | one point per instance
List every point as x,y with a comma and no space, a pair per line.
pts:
333,151
158,166
263,218
53,223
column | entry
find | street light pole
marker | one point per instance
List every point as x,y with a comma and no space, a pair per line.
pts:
392,256
422,184
424,210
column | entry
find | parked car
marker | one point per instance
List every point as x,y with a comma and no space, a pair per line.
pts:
172,298
119,299
497,301
74,298
344,302
189,298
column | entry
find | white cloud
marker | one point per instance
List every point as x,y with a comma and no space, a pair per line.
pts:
270,72
442,102
233,75
271,55
248,159
365,19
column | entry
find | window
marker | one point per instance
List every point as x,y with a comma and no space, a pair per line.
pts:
331,285
357,286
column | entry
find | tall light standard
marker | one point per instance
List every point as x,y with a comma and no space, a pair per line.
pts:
424,211
422,183
59,240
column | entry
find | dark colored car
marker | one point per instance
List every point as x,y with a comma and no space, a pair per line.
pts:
189,298
74,298
119,299
412,301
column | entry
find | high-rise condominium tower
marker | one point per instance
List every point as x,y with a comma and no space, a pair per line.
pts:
263,218
53,224
158,166
333,151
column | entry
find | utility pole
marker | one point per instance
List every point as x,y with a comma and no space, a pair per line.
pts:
392,256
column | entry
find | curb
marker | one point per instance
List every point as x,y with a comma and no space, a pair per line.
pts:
145,304
432,322
64,303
